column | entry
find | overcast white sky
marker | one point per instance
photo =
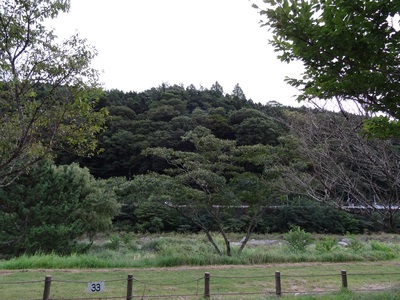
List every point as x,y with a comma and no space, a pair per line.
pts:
143,43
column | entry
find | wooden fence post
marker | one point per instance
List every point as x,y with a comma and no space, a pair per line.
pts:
47,284
129,294
207,285
278,287
344,279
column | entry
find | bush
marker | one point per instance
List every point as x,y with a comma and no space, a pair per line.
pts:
115,242
298,239
354,244
376,246
326,245
312,217
49,208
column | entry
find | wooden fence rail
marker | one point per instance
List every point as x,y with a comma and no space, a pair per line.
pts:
208,278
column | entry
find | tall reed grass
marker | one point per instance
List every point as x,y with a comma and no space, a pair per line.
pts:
194,250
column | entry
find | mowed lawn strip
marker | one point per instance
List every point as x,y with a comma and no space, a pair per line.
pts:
254,280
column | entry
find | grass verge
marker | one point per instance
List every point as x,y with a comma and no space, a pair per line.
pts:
367,280
175,266
194,250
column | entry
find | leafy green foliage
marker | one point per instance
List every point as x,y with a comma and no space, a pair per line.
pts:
312,217
115,242
381,127
328,244
130,132
159,117
350,50
48,90
387,251
49,208
153,217
354,243
206,185
163,250
298,239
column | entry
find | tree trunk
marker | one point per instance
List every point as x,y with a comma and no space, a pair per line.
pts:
250,229
211,240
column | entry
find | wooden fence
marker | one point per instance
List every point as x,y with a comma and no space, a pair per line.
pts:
205,293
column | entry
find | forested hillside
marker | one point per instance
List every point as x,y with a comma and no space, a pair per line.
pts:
183,159
159,117
76,160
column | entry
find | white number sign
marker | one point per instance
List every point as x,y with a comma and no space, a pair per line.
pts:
94,287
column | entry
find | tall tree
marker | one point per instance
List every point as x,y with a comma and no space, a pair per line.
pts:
327,159
211,181
350,51
238,93
217,89
49,208
47,89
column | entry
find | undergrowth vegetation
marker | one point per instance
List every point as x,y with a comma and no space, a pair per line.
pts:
127,250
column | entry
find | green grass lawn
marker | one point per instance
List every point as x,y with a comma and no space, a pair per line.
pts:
174,266
226,282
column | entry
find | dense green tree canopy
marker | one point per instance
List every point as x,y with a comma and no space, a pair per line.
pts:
224,120
350,49
213,181
47,88
159,117
49,208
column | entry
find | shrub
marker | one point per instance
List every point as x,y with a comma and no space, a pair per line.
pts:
126,239
354,244
115,242
51,207
312,217
376,246
326,245
298,239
